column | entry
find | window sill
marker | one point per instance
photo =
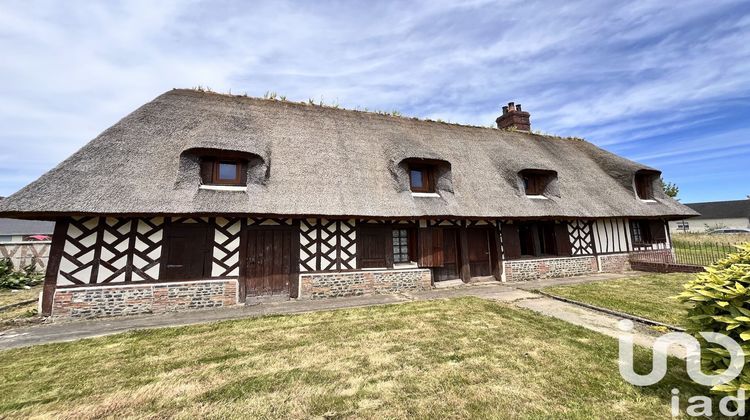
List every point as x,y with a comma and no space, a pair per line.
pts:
399,266
537,197
235,188
425,195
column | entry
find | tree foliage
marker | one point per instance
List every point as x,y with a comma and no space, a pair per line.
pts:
670,189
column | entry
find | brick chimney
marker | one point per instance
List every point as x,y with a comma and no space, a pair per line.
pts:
514,117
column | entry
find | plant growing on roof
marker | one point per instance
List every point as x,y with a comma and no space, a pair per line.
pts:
718,300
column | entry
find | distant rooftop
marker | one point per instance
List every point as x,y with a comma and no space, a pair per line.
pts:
722,209
25,227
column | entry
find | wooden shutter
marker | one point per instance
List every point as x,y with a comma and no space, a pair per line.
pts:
187,252
564,247
511,242
207,170
431,247
374,247
658,233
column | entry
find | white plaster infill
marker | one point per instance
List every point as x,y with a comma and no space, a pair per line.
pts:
650,200
229,188
425,195
142,284
537,197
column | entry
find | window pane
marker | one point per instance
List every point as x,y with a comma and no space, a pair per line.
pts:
227,171
416,179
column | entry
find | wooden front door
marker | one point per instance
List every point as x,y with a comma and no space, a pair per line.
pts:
451,257
271,261
479,252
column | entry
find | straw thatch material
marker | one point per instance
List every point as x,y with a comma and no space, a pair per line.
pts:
324,161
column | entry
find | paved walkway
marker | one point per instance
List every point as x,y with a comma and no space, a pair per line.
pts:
539,284
509,292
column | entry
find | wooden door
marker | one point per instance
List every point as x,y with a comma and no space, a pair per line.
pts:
451,264
479,252
270,261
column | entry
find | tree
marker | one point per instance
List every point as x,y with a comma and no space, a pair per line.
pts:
670,189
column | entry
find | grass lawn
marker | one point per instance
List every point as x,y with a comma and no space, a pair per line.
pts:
20,314
646,296
442,359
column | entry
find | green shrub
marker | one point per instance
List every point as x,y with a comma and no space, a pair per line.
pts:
719,301
10,278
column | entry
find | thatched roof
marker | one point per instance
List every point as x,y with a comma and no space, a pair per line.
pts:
326,161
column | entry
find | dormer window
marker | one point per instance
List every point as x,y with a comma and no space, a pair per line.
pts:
223,171
421,179
644,184
535,182
424,178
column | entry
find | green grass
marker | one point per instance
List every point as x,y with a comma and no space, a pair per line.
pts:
460,358
11,296
648,296
21,314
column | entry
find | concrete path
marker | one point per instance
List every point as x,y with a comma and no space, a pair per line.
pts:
517,294
593,320
540,284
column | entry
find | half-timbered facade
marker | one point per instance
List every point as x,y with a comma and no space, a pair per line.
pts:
199,200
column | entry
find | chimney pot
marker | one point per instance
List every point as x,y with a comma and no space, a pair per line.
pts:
514,118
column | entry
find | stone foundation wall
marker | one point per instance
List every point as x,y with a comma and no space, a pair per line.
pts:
614,263
101,301
358,283
535,269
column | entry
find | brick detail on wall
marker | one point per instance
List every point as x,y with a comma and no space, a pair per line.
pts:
358,283
614,263
534,269
654,267
102,301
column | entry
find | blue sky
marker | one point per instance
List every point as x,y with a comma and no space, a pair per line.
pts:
664,83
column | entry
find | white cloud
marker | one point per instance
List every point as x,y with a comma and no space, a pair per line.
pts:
616,73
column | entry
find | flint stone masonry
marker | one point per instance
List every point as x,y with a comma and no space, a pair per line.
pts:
534,269
614,263
101,301
358,283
